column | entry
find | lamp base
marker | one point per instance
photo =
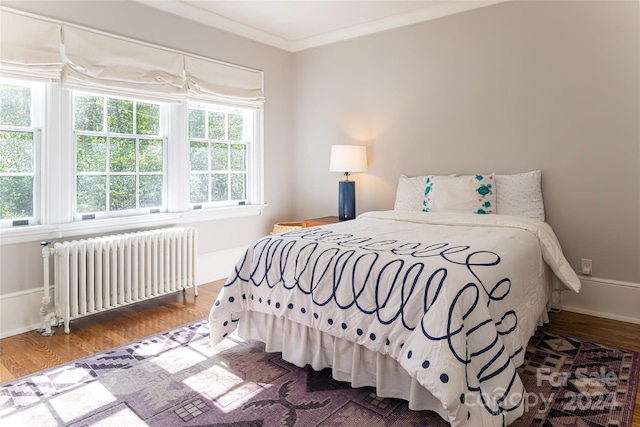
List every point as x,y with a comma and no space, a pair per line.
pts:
346,200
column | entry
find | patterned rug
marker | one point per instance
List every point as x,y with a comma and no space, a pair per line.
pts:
175,379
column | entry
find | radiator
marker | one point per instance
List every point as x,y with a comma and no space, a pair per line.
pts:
102,273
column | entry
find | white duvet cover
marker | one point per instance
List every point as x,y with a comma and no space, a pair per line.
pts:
453,298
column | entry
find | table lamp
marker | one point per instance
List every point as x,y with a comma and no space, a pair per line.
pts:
347,159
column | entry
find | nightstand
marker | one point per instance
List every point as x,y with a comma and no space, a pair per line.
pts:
320,221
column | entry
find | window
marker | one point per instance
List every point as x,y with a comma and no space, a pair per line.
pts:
119,156
221,140
70,157
142,144
19,154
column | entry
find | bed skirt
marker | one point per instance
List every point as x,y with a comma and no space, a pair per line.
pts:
349,362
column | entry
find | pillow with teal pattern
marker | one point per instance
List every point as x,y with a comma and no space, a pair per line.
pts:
471,194
410,192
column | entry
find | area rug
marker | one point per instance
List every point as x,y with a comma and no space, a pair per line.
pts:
176,379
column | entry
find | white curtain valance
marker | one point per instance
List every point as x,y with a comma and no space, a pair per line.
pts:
91,61
95,61
209,80
29,47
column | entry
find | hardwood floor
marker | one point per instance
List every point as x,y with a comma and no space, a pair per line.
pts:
30,352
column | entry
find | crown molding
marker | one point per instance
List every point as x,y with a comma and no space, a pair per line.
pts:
435,11
211,19
208,18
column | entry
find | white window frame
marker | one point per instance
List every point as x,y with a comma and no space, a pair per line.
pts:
57,178
164,127
37,95
250,142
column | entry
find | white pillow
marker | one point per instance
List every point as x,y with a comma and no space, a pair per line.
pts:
520,195
410,193
471,194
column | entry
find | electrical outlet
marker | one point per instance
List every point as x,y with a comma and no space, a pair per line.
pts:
586,266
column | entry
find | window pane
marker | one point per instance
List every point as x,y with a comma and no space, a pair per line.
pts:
150,191
16,152
92,154
91,194
219,187
147,119
199,188
199,156
196,124
89,113
219,157
150,155
122,155
238,186
120,116
15,105
16,197
216,126
238,155
122,192
235,127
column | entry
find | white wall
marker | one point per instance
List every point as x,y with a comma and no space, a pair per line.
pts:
521,85
21,264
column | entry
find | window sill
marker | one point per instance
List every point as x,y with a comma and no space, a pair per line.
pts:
34,233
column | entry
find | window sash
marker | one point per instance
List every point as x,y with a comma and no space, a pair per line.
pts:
34,174
33,128
199,174
109,173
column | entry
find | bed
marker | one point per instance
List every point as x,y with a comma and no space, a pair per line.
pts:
434,307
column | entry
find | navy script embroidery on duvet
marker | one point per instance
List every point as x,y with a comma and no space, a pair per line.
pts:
343,271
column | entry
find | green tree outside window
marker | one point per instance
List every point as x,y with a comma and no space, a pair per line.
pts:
218,154
17,152
120,157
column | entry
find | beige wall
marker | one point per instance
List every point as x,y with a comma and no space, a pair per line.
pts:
21,264
507,88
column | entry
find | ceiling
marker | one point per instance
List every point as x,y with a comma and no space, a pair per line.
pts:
296,25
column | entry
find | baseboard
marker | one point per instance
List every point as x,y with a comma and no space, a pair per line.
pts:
610,299
19,311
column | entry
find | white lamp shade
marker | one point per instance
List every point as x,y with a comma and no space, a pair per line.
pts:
348,158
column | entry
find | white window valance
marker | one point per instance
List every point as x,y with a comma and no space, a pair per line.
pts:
107,64
92,61
29,47
229,83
